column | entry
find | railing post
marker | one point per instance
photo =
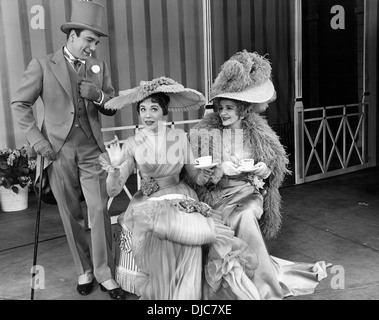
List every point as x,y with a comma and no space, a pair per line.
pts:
324,122
370,49
344,154
363,136
299,107
299,141
207,41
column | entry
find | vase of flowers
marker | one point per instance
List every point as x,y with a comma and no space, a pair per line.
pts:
17,172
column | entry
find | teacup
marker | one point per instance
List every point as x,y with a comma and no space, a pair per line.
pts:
247,164
204,161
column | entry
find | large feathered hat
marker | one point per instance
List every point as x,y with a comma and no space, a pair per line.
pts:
181,98
246,76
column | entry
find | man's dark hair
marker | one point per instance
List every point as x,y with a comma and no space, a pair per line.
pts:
77,32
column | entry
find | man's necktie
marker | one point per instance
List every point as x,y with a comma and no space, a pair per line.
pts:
76,63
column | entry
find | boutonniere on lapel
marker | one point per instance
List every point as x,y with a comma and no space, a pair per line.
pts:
95,68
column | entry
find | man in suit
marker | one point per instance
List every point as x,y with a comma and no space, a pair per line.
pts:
74,87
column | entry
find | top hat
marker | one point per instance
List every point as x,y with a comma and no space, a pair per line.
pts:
246,76
85,15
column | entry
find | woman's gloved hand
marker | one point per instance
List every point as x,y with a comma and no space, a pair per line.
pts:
261,170
116,155
230,168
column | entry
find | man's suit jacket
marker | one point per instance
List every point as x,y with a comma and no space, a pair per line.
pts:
48,78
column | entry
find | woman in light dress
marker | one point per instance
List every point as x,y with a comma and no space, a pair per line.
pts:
248,198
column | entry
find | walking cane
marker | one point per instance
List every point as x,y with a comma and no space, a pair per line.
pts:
36,235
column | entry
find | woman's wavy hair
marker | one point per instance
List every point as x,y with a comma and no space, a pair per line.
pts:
244,108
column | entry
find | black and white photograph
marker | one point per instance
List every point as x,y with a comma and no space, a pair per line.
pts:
189,155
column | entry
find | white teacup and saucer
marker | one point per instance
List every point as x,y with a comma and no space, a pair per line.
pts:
246,165
205,162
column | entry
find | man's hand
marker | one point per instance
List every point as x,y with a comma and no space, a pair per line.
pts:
43,148
89,91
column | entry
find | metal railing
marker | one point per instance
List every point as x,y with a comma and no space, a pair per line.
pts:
330,140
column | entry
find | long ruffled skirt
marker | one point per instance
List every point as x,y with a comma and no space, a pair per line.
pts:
128,273
168,246
274,278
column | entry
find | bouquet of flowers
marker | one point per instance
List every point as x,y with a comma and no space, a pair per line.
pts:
149,186
189,205
16,168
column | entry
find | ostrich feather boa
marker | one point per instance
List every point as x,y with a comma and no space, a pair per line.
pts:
266,147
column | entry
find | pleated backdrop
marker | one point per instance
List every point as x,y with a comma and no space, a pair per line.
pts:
151,38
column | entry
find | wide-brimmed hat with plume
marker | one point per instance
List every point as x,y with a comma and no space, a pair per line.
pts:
246,76
181,98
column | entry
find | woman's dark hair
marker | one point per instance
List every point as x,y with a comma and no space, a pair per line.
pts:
161,98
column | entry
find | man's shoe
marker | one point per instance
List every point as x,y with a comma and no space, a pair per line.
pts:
85,289
115,294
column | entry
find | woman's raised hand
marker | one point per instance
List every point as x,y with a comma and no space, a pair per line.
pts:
115,152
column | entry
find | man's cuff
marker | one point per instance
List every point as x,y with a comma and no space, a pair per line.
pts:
102,96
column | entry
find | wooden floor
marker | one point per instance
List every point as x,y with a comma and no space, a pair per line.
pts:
335,220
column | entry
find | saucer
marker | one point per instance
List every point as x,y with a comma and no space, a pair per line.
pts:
207,166
172,196
246,170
